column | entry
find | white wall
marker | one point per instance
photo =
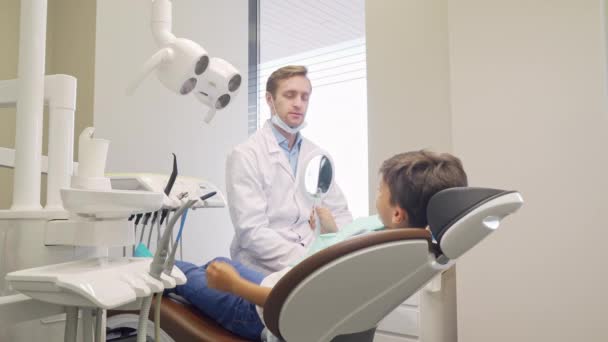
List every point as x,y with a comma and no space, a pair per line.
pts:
529,114
9,24
144,129
527,103
408,80
409,109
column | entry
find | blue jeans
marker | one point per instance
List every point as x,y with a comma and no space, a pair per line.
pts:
231,312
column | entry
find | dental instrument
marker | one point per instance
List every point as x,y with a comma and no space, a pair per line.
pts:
154,218
147,217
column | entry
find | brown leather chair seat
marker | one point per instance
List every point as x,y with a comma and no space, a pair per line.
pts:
184,323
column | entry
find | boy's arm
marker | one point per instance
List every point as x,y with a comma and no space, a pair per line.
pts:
254,293
223,277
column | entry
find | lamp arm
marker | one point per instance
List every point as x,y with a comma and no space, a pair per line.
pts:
152,63
162,12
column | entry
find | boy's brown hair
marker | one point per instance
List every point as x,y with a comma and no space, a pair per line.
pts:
282,74
414,177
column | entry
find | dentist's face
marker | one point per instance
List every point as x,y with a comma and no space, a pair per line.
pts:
291,100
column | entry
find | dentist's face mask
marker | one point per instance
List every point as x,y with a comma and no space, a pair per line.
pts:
275,119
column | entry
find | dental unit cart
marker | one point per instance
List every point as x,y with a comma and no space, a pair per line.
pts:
54,259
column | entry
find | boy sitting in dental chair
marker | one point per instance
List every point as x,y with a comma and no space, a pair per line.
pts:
234,295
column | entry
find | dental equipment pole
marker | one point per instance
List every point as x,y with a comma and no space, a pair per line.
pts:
100,324
71,323
30,102
88,332
60,90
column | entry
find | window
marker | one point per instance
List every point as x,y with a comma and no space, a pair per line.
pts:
328,37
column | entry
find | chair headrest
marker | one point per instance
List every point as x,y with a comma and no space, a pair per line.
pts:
467,215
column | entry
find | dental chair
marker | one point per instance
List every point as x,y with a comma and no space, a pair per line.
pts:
341,293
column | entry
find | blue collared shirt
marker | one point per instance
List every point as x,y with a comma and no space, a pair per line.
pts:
294,153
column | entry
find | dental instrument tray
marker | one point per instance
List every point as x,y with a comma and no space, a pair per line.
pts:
106,283
110,204
183,189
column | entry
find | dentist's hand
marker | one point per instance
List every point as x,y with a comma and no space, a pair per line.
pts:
328,223
222,276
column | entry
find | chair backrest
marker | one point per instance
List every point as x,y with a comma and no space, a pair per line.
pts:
349,287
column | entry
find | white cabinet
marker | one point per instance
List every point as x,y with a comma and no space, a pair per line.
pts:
385,337
401,325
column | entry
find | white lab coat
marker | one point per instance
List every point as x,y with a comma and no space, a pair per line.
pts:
267,207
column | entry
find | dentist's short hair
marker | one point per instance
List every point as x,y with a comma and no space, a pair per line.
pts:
282,74
414,177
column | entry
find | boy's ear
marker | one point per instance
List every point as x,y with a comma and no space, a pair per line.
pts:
400,217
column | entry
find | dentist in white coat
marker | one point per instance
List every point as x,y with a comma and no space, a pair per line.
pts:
269,212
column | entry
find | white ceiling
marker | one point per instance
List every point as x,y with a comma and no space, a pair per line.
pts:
289,27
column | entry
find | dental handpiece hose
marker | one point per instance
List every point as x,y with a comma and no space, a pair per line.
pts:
171,259
158,263
156,269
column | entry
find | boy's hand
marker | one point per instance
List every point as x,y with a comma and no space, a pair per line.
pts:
328,223
222,276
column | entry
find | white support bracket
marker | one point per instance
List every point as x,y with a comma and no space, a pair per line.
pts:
60,97
21,308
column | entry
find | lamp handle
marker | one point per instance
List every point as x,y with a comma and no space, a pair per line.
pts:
152,63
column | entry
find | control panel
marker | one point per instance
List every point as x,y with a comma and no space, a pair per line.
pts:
184,188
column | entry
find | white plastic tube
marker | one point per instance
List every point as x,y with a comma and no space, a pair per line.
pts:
88,325
71,324
162,22
100,325
30,102
61,94
142,326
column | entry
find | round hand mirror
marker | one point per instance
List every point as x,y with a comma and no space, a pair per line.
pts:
317,180
318,176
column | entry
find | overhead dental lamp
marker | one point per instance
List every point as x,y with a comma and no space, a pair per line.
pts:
185,67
